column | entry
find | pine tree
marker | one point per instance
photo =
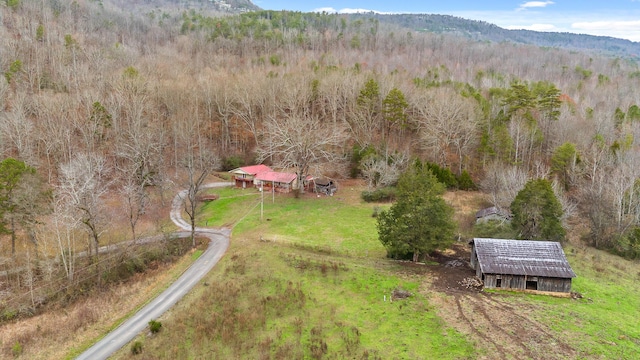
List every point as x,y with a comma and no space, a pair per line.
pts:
537,212
420,221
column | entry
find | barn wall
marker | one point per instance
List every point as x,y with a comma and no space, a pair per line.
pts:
554,284
513,282
490,281
506,281
474,257
519,282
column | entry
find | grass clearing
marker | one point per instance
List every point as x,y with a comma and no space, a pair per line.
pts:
316,288
603,324
267,301
341,224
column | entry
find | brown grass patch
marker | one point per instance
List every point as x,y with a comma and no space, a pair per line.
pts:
53,334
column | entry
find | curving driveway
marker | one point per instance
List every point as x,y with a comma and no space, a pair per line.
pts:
129,329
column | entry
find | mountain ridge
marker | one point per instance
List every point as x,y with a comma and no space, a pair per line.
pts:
485,31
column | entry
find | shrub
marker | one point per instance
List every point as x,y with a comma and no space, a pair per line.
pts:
155,326
232,162
444,175
136,348
378,195
358,154
16,349
494,229
465,182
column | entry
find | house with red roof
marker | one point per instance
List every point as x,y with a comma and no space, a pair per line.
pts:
276,181
244,177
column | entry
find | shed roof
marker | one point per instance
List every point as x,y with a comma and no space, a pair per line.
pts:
274,176
522,257
251,170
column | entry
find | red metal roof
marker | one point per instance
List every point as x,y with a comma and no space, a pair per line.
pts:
274,176
252,169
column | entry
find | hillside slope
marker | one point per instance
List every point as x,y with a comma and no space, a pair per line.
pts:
484,31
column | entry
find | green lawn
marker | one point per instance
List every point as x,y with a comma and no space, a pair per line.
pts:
604,323
316,289
335,223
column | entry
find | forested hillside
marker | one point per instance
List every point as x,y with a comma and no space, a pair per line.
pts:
483,31
101,107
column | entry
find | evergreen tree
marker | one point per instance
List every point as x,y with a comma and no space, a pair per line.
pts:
563,163
394,109
22,198
420,221
537,212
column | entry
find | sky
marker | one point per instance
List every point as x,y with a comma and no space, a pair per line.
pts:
616,18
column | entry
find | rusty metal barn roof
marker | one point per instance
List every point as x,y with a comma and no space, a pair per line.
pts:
522,257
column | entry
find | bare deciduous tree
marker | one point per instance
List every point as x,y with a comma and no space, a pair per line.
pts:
16,133
60,230
140,153
503,183
83,182
380,171
299,142
447,122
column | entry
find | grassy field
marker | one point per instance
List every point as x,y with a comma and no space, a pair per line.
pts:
315,287
604,323
341,224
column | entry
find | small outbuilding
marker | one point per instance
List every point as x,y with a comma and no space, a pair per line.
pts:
493,213
324,185
521,265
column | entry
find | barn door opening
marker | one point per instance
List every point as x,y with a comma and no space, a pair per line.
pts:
532,284
498,283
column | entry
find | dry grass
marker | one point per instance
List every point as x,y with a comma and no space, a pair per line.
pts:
52,334
466,204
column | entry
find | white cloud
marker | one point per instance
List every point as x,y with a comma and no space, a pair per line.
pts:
608,25
535,4
329,10
622,29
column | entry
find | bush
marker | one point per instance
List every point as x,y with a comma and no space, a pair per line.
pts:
136,348
358,154
465,182
155,326
232,162
628,245
16,349
444,175
378,195
494,229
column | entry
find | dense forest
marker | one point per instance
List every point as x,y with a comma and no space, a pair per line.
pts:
99,106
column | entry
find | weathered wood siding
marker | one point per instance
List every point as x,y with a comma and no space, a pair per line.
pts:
554,284
506,281
519,282
474,258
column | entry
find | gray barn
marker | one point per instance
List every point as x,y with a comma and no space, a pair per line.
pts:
521,265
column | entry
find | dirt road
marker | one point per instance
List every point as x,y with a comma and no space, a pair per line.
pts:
219,242
501,327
